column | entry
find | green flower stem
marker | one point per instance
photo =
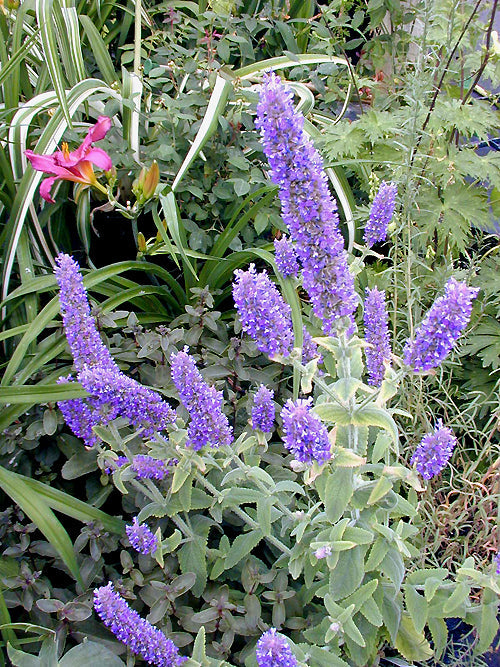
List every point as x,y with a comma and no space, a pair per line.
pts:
344,371
243,515
243,466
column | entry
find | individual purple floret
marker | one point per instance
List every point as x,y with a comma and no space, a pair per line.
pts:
273,650
263,409
306,204
441,327
304,433
286,259
376,321
208,425
323,552
113,394
434,451
381,213
265,316
141,538
142,638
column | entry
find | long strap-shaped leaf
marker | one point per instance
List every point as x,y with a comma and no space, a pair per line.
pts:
44,14
40,513
208,125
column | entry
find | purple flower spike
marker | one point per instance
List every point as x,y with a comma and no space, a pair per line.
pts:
209,425
309,349
145,467
497,563
306,204
381,213
441,327
113,394
377,334
263,409
286,259
265,316
142,638
141,538
434,451
304,433
274,651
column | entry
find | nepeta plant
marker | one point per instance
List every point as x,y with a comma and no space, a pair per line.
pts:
434,451
376,319
263,409
381,213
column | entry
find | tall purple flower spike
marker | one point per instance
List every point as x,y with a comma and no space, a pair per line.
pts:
286,259
381,213
263,409
306,204
208,425
274,651
142,638
141,537
434,451
441,327
265,316
304,433
377,334
113,394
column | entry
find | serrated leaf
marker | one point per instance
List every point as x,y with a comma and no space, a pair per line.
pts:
381,488
348,573
417,607
179,478
412,644
364,593
393,567
338,492
458,597
377,554
241,547
371,612
439,633
331,412
370,415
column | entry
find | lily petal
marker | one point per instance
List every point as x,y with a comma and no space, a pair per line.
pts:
45,188
100,158
46,163
100,129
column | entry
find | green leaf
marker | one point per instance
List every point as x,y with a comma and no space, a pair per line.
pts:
44,393
99,50
457,598
417,607
488,626
264,508
42,516
192,558
439,633
373,416
348,573
393,567
412,644
90,653
381,488
377,554
198,653
241,547
21,659
331,412
338,492
364,593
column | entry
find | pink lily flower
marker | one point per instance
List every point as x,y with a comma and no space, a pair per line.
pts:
76,165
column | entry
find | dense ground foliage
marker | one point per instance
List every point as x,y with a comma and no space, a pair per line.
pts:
327,490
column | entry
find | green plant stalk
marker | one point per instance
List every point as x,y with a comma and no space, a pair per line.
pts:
243,515
344,371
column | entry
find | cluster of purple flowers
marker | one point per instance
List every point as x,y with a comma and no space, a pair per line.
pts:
304,433
142,638
145,467
309,348
208,425
263,409
274,651
141,538
113,394
497,563
434,451
441,327
377,335
286,259
381,213
307,205
264,314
